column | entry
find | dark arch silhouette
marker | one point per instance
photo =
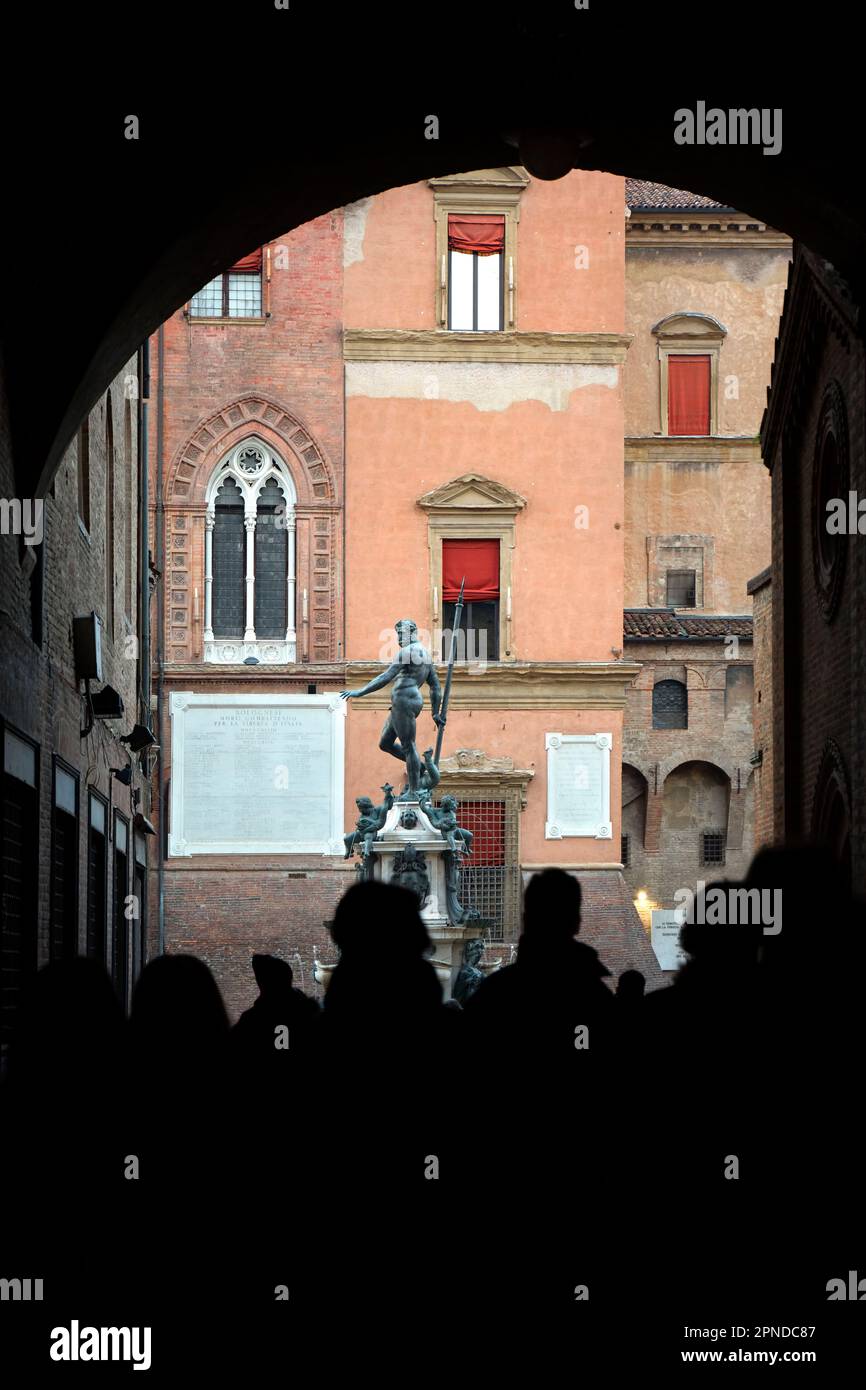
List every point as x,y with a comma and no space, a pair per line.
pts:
205,189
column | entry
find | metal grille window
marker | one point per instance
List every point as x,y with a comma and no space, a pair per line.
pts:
488,881
713,844
670,705
624,851
681,589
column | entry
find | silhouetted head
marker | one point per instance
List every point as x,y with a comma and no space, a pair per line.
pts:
379,920
551,908
630,985
70,1019
177,1007
272,974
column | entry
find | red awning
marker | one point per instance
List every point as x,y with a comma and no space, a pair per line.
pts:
481,232
478,561
248,265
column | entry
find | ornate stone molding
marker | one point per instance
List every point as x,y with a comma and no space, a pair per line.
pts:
699,448
473,491
522,685
446,345
471,770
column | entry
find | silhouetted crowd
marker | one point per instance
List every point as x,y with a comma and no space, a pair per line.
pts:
386,1149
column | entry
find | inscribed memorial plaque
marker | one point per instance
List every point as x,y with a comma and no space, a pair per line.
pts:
665,926
257,774
578,786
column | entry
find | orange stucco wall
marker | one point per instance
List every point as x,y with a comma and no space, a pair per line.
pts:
517,734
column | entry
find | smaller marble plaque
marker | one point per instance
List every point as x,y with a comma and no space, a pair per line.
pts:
578,786
665,937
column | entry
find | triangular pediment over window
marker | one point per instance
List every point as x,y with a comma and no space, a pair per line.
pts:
506,177
472,492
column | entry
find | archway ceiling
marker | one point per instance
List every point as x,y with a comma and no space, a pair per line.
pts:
114,235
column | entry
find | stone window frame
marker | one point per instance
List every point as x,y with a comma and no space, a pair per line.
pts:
233,651
689,334
692,550
470,508
496,191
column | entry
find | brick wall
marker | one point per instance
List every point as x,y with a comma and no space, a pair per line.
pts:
39,696
762,710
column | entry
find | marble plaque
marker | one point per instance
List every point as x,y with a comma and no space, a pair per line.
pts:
578,786
665,925
257,774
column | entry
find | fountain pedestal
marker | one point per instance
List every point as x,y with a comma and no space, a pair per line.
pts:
411,852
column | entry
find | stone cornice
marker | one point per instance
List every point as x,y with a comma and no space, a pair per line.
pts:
700,227
446,345
521,684
502,685
702,448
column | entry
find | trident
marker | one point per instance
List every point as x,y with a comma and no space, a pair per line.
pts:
455,632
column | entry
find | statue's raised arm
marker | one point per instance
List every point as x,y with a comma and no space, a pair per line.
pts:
412,669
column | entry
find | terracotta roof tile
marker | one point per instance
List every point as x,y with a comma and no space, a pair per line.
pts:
664,624
641,194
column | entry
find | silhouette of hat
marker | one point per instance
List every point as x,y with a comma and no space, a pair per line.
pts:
272,973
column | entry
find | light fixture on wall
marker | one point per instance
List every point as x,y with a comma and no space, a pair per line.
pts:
138,738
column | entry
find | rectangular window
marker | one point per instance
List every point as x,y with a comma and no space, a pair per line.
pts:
624,851
120,942
83,471
476,562
19,875
476,257
681,588
713,844
689,394
236,294
63,936
96,867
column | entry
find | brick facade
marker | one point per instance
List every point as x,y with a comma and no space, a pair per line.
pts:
41,700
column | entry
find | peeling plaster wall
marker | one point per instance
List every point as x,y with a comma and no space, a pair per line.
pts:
486,385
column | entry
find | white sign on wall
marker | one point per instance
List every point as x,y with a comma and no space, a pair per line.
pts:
578,786
665,926
257,774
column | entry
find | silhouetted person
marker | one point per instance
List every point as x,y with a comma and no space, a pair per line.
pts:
258,1036
179,1033
630,987
556,983
67,1061
386,1045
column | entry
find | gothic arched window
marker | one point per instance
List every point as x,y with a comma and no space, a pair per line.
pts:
250,559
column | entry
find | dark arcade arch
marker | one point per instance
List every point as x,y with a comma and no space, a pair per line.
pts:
207,180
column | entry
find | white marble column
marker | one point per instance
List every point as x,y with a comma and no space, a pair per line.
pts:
291,635
250,527
208,576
